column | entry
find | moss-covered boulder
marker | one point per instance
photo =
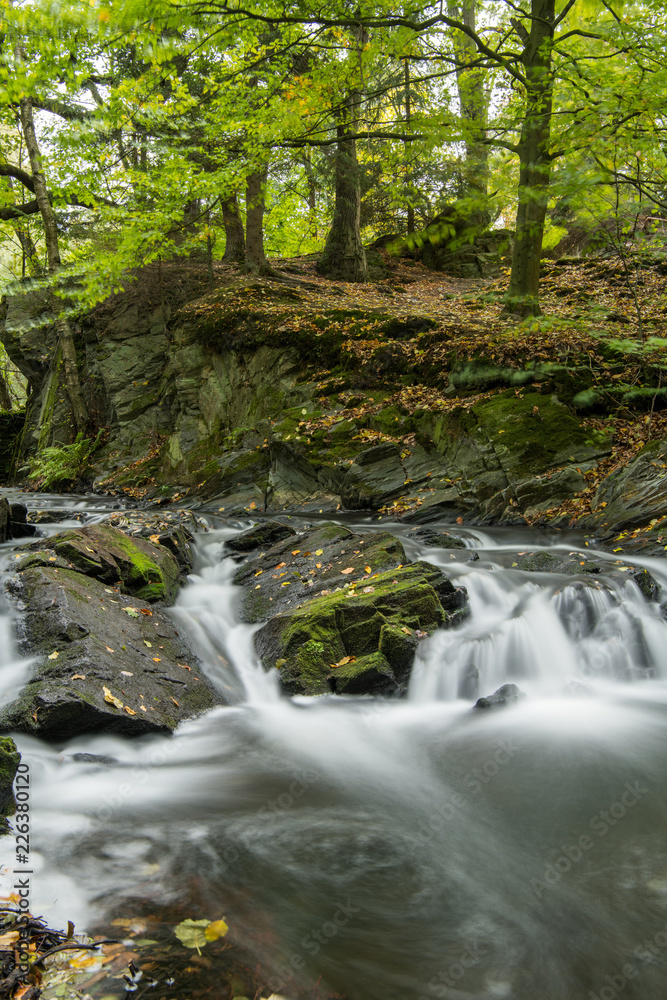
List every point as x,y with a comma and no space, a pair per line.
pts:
139,567
104,661
10,759
345,611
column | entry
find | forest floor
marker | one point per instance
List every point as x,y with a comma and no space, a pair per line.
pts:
601,337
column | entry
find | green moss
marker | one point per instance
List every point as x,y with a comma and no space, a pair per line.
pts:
10,759
328,628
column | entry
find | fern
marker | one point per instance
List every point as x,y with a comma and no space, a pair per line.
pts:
63,463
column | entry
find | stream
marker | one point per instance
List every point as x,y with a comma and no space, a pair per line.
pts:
411,849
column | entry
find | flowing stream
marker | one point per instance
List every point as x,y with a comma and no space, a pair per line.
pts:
396,849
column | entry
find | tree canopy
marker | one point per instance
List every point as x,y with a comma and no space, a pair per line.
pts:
209,127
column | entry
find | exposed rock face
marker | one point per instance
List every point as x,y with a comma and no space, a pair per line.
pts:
633,496
215,393
10,759
105,660
354,615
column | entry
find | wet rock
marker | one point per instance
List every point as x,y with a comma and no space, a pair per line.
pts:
505,695
261,535
146,570
547,562
19,526
648,586
439,539
345,613
104,660
10,759
5,520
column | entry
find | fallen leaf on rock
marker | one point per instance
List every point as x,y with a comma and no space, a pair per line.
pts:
420,634
319,565
157,659
132,612
408,631
143,708
146,611
78,677
130,711
109,649
280,565
348,569
175,703
126,673
155,539
108,697
318,552
367,568
184,665
147,643
296,552
346,659
54,655
368,590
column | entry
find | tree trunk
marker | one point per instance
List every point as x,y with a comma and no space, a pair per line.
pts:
234,235
408,171
5,398
534,163
312,195
474,108
255,258
65,337
344,257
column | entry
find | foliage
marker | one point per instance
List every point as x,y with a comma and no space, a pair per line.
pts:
64,464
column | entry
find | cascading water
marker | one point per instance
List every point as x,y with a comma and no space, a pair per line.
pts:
415,848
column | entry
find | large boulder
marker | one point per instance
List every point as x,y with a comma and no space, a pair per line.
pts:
104,661
345,613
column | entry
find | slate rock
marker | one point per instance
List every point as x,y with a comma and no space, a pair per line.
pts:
119,666
345,611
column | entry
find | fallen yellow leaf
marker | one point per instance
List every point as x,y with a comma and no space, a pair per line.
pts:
215,930
318,552
349,569
108,697
54,655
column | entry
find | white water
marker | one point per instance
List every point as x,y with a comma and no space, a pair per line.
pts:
412,849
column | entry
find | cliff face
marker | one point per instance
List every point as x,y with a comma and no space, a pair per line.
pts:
269,394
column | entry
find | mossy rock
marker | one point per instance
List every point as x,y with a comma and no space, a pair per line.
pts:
10,759
103,662
364,636
147,571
